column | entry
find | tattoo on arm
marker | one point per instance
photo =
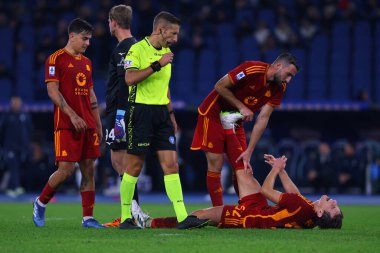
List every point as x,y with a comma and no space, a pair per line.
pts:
62,102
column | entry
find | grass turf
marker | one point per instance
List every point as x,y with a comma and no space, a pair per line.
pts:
62,233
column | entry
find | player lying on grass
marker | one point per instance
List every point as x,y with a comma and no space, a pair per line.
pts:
291,209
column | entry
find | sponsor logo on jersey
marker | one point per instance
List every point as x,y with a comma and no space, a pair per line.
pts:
250,100
81,79
51,71
240,75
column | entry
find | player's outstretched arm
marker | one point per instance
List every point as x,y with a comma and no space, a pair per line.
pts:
286,181
257,131
267,189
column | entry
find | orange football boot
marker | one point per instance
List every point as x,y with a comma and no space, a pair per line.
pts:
115,223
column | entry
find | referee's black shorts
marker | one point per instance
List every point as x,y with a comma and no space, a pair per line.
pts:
149,128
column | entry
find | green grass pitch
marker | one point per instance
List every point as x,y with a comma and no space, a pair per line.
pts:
62,233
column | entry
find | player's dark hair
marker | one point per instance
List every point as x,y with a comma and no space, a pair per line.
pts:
167,17
122,14
326,221
289,59
79,25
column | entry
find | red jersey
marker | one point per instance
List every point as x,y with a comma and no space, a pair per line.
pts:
249,86
293,211
74,75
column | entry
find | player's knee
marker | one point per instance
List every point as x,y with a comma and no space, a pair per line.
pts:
214,162
215,166
170,167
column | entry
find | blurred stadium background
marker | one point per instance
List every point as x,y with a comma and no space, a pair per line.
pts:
329,122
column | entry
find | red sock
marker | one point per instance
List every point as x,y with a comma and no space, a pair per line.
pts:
214,187
167,222
47,194
88,201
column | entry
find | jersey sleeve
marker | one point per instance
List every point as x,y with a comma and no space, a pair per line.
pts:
238,73
292,201
132,59
52,73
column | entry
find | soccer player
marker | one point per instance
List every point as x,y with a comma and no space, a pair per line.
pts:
251,86
77,126
291,209
151,123
119,20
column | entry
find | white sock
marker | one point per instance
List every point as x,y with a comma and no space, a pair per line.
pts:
87,218
40,203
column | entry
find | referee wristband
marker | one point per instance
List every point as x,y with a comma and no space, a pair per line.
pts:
171,112
156,66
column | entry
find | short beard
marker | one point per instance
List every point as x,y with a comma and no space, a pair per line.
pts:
277,80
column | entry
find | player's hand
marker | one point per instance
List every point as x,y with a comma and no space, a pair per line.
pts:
247,114
269,159
246,157
119,128
277,164
78,123
166,59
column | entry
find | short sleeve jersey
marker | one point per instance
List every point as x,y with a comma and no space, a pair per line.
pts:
249,86
117,89
293,211
154,89
74,77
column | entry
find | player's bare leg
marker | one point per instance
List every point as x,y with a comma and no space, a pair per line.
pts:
213,180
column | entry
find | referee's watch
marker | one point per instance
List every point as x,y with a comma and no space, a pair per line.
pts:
156,66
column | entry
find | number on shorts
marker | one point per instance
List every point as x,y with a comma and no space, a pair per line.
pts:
110,135
96,141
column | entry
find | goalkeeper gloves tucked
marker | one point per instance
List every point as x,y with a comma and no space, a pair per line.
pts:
120,135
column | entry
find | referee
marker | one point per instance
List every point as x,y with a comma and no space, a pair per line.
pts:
152,124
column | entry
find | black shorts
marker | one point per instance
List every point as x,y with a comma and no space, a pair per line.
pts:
149,128
109,134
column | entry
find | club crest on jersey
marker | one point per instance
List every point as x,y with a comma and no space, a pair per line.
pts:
127,63
51,71
240,75
172,139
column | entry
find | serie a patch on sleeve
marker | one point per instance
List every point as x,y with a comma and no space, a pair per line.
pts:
240,75
51,71
127,63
